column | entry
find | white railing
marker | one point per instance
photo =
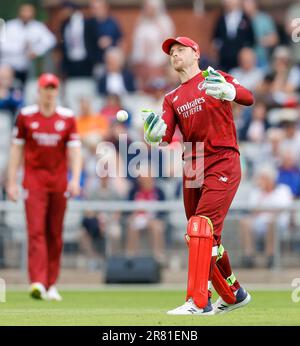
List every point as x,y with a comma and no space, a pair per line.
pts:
78,206
127,206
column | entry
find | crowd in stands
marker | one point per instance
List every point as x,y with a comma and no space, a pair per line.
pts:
250,45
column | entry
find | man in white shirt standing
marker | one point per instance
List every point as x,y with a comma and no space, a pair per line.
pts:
26,39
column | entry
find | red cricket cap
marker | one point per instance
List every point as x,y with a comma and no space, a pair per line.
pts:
48,79
185,41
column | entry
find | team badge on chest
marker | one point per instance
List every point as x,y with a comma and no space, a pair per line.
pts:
34,125
59,125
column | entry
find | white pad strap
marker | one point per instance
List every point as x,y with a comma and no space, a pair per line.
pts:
214,251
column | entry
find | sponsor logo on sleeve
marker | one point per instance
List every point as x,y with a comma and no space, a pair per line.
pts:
201,85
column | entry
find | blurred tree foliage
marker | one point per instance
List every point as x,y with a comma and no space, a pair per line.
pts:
9,8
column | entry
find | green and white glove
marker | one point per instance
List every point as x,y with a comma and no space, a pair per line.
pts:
154,127
216,85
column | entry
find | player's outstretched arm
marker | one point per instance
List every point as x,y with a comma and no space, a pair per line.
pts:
225,87
243,96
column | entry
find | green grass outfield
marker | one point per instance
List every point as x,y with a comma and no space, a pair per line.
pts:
136,307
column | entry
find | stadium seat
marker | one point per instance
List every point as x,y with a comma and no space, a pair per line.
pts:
76,88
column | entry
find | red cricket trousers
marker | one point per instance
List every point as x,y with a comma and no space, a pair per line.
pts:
44,214
220,179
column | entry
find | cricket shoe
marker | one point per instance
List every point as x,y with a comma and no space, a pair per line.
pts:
190,308
38,291
242,299
53,294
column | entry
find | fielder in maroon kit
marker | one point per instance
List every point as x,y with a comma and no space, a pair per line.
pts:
45,136
201,108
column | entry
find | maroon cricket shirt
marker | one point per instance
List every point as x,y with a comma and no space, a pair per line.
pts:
203,118
45,141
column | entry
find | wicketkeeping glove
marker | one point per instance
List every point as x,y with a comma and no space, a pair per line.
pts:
154,127
217,86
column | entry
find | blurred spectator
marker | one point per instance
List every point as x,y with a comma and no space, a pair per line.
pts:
287,75
11,99
117,129
115,79
105,184
112,105
233,31
259,227
282,82
109,32
289,172
78,43
120,138
289,123
92,242
247,73
90,126
153,223
265,32
157,88
26,39
292,28
264,90
246,184
242,118
101,228
258,125
153,26
270,150
280,139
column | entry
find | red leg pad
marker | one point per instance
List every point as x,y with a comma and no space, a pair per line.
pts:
200,233
222,287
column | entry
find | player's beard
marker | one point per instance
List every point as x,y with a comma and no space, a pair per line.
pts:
178,67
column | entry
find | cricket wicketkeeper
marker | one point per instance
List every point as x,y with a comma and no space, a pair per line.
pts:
201,107
45,139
